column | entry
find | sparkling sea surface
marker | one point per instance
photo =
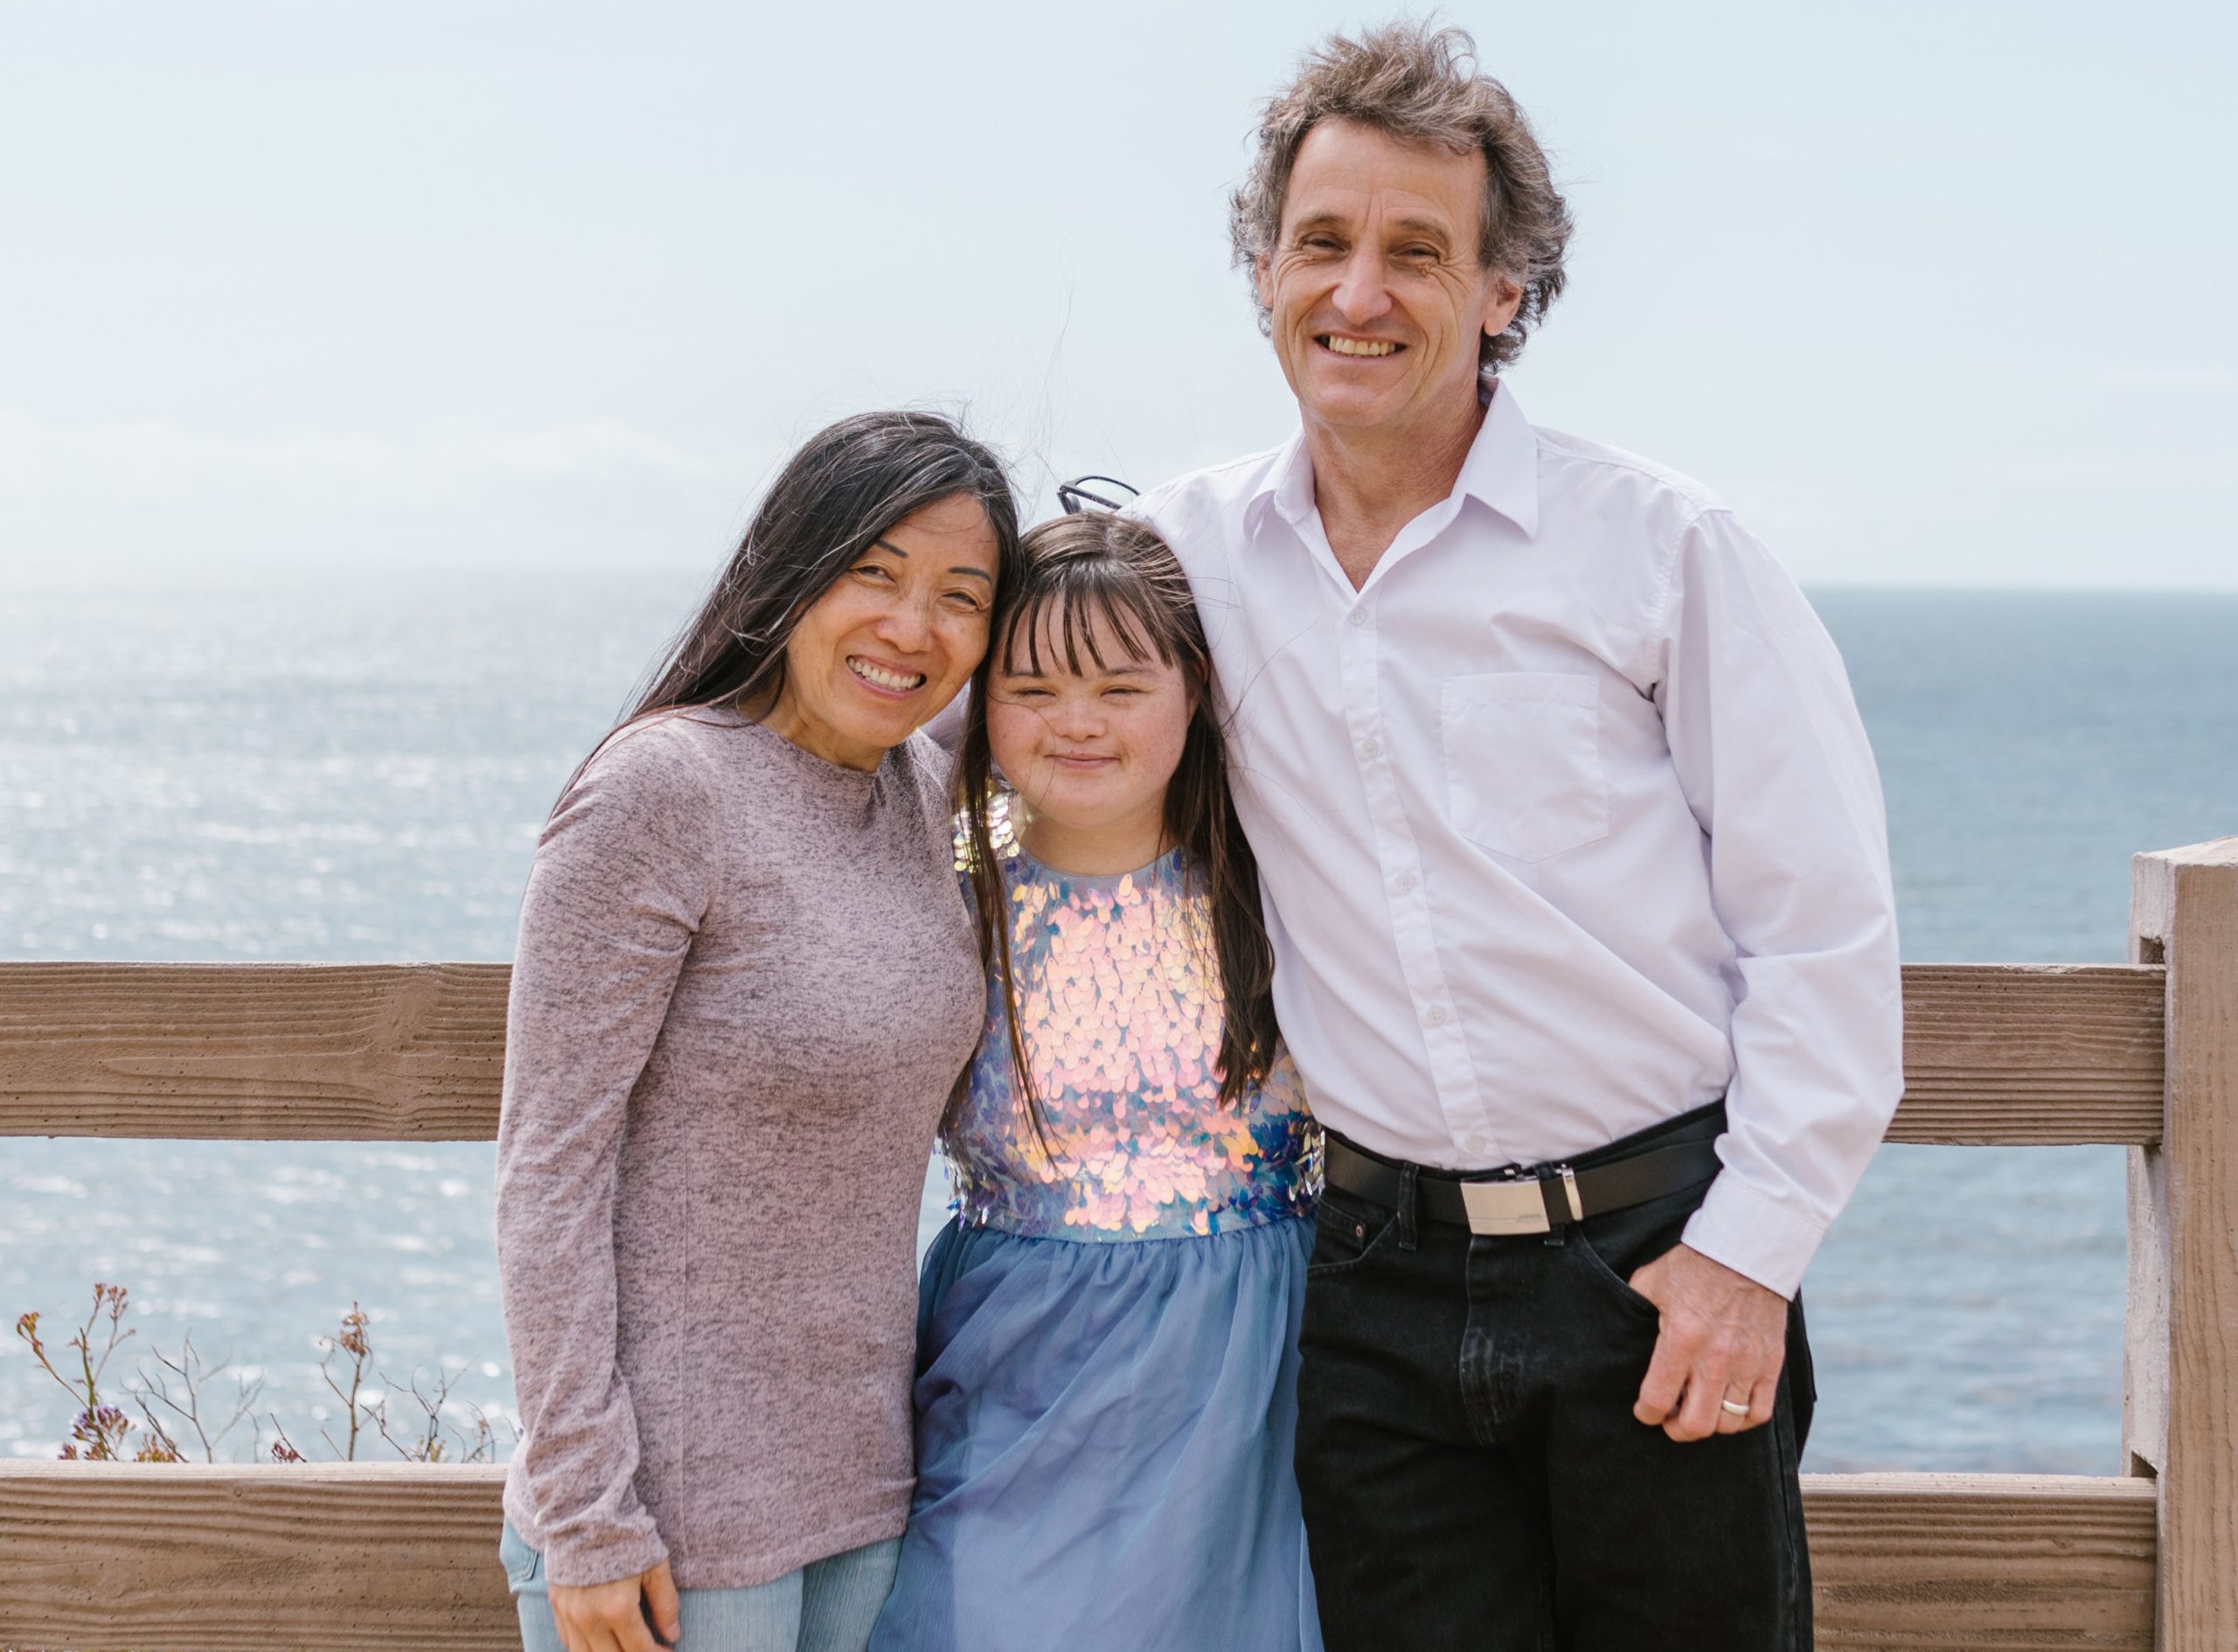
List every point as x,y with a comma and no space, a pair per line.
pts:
355,768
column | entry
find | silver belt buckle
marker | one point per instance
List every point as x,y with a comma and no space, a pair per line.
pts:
1505,1207
1516,1207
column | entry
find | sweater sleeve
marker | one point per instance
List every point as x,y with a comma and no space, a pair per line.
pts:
623,875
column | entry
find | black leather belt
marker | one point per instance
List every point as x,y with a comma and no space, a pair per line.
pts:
1525,1201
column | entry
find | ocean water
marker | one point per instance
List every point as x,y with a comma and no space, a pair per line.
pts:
356,768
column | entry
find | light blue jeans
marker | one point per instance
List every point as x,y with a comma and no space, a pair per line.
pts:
827,1605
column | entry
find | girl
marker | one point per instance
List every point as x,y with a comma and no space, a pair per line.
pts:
744,991
1107,1333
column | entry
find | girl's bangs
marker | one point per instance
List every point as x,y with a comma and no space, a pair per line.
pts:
1073,616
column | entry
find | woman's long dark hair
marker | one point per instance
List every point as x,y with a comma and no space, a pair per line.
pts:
848,485
1076,570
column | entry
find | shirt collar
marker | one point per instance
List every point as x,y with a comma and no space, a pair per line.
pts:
1500,472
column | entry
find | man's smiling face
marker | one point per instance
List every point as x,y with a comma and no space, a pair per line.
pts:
1376,294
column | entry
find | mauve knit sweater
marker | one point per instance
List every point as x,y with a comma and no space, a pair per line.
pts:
745,985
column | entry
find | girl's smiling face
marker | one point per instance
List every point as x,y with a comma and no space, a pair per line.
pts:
1088,725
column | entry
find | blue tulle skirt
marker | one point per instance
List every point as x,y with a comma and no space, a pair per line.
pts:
1104,1447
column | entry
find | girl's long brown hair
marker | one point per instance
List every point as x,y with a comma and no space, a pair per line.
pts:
1072,571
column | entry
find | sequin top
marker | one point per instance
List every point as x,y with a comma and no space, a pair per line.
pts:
1119,1000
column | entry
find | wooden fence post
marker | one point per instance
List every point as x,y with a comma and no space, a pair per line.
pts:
2180,1366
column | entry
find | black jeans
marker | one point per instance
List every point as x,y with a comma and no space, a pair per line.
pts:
1473,1473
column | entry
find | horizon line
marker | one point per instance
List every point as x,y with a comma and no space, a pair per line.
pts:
82,575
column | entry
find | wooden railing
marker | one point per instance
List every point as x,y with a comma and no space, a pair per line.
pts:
344,1557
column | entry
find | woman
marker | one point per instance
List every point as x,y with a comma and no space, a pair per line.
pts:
1108,1334
745,986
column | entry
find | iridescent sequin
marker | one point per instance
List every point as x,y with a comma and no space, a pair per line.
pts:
1119,999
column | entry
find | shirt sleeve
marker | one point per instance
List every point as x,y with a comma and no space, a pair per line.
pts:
1769,747
623,877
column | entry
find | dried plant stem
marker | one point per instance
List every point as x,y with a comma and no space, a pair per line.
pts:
359,1346
173,1402
192,1374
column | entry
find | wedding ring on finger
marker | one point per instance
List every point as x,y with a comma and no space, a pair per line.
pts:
1732,1408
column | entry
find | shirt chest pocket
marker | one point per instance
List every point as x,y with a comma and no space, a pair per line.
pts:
1523,773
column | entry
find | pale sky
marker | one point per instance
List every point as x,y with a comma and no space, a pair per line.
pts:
1932,293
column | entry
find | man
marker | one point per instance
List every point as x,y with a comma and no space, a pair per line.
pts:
1574,862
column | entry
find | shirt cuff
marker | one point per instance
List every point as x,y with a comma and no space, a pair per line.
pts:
1755,1235
607,1557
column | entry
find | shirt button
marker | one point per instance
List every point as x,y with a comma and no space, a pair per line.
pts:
1436,1017
1360,616
1406,882
1371,746
1477,1145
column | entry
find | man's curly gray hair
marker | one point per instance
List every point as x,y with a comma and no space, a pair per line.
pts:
1420,86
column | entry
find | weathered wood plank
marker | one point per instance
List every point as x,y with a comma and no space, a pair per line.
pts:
288,1052
2182,1364
1988,1563
326,1557
2144,1343
2031,1055
1993,1052
370,1557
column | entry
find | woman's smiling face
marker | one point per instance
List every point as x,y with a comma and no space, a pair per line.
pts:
1090,750
892,640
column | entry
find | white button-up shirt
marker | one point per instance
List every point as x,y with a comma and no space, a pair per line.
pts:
1565,825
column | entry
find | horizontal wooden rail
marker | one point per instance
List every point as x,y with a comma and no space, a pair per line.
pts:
1986,1563
1993,1053
282,1053
2025,1055
348,1556
325,1557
